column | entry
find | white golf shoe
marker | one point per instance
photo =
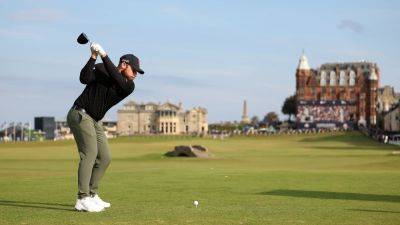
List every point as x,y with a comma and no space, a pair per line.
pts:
96,199
88,205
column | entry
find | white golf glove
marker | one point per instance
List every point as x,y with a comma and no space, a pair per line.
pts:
97,47
92,49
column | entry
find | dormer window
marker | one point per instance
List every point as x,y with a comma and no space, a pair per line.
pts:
342,78
352,78
332,78
322,81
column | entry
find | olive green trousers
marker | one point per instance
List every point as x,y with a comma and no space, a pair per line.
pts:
93,151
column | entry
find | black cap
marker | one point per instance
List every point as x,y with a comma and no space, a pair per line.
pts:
133,61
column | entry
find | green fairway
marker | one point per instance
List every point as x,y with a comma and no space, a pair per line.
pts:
344,178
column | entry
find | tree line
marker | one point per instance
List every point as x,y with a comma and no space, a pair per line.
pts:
270,119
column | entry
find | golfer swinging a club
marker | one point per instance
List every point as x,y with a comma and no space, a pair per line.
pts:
106,85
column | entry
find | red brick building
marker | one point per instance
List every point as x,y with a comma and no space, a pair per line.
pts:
336,94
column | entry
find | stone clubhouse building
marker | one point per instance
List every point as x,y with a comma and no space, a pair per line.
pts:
166,118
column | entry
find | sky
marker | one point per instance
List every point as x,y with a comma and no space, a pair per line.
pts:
213,54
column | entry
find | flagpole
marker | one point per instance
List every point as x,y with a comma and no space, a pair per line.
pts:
14,137
2,126
29,131
6,131
22,131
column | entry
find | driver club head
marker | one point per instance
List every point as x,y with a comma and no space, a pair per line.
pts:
82,39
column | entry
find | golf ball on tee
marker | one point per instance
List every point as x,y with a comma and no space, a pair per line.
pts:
196,203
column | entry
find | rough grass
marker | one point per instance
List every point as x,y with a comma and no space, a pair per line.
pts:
302,179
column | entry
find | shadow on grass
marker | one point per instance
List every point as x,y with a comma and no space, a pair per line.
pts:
344,147
37,205
146,157
371,210
334,195
353,140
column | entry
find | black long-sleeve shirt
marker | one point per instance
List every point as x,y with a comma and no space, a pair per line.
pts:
105,87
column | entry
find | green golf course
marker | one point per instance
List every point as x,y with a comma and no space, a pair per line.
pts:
341,178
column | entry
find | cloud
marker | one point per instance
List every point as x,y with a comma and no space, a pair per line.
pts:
11,33
351,25
37,15
171,10
349,54
40,61
173,80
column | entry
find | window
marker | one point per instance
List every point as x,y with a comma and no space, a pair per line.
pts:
352,79
322,81
332,78
352,95
342,78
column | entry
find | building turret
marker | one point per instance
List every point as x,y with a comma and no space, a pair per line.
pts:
303,63
303,73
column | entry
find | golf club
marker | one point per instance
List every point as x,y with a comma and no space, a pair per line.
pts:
82,39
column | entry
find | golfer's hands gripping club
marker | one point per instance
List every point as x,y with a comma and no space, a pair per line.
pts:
94,51
97,48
